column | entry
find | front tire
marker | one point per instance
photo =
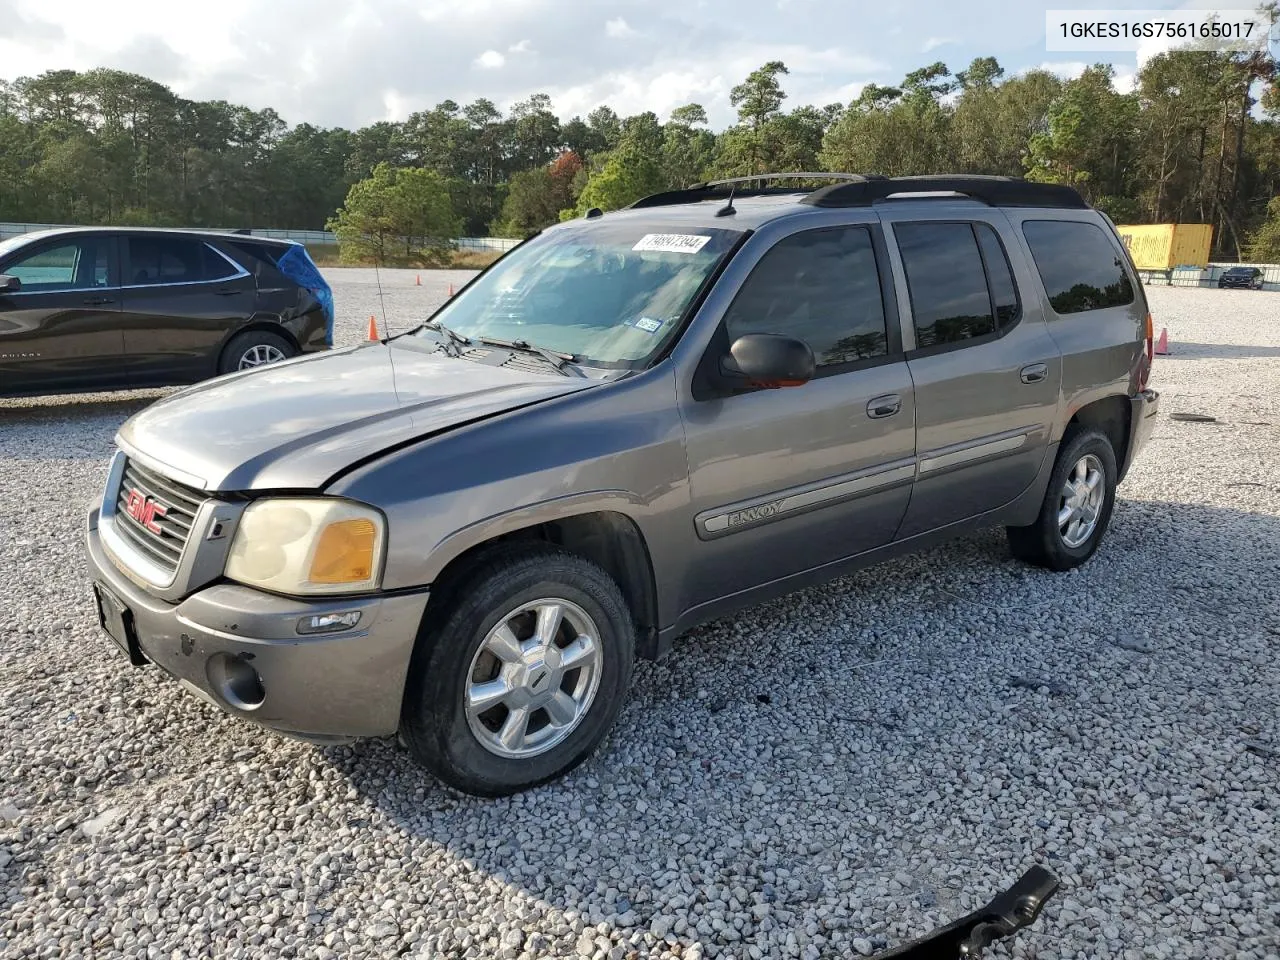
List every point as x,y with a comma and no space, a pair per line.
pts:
521,673
1077,505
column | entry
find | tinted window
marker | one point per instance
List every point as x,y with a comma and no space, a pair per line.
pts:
820,286
1003,292
76,265
261,251
174,260
949,296
1080,267
216,266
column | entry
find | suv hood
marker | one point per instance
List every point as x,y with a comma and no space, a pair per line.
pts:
296,424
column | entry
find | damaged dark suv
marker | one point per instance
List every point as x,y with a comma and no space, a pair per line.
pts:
100,308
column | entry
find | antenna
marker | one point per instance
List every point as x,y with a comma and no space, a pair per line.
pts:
728,209
377,274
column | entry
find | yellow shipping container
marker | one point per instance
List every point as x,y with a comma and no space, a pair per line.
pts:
1163,246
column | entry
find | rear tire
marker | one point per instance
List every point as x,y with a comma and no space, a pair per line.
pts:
1077,505
498,700
254,348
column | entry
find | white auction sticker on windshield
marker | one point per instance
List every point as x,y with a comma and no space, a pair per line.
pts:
671,242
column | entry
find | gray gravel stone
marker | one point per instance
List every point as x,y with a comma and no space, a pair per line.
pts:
102,822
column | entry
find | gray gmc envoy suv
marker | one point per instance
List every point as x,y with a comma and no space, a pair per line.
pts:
630,424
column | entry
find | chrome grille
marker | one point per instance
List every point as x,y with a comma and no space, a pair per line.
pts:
180,504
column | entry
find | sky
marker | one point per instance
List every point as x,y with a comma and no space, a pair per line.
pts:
354,62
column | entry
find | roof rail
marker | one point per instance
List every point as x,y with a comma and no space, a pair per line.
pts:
705,191
780,176
859,190
994,191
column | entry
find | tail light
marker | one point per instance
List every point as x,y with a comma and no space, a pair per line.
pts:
1145,373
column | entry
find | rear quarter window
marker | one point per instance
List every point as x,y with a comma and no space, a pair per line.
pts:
259,251
1080,267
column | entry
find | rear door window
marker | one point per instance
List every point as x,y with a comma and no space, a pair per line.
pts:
950,299
172,260
1004,292
1080,267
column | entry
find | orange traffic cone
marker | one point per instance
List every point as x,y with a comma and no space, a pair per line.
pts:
451,289
417,280
373,328
1162,345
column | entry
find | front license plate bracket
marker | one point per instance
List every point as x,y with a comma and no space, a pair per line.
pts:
116,620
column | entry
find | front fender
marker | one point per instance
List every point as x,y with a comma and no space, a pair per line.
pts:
455,544
617,448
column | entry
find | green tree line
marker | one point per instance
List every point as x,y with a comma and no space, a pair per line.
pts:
1196,140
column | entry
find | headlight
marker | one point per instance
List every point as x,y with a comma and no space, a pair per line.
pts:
297,546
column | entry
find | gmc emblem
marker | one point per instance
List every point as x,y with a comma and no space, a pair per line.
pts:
145,510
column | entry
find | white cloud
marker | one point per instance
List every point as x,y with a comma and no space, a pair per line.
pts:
1124,80
395,106
450,11
817,77
843,95
933,43
617,27
354,62
1067,69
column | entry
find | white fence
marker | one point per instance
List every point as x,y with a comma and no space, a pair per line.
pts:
301,236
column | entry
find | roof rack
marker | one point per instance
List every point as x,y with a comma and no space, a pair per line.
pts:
994,191
708,190
780,176
861,190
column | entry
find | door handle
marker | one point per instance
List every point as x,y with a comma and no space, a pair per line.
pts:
885,406
229,293
97,301
1034,373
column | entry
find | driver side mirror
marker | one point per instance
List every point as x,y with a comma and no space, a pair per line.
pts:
9,284
767,361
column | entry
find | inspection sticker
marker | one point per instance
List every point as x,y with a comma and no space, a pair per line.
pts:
671,242
647,324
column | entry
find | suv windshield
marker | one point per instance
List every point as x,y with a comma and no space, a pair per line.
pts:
610,294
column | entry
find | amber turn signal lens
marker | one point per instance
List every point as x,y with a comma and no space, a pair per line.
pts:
344,553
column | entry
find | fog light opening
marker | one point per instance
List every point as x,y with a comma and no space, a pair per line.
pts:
236,682
329,622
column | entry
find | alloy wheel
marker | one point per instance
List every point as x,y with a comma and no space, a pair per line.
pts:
1080,502
260,355
533,679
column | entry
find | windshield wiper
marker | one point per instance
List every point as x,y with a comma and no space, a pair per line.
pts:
555,358
454,336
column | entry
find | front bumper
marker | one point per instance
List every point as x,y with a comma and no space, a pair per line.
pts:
1142,421
214,642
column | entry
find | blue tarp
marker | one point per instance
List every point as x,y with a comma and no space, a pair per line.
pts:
297,265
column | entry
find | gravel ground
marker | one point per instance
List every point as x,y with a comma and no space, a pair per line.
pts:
825,775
